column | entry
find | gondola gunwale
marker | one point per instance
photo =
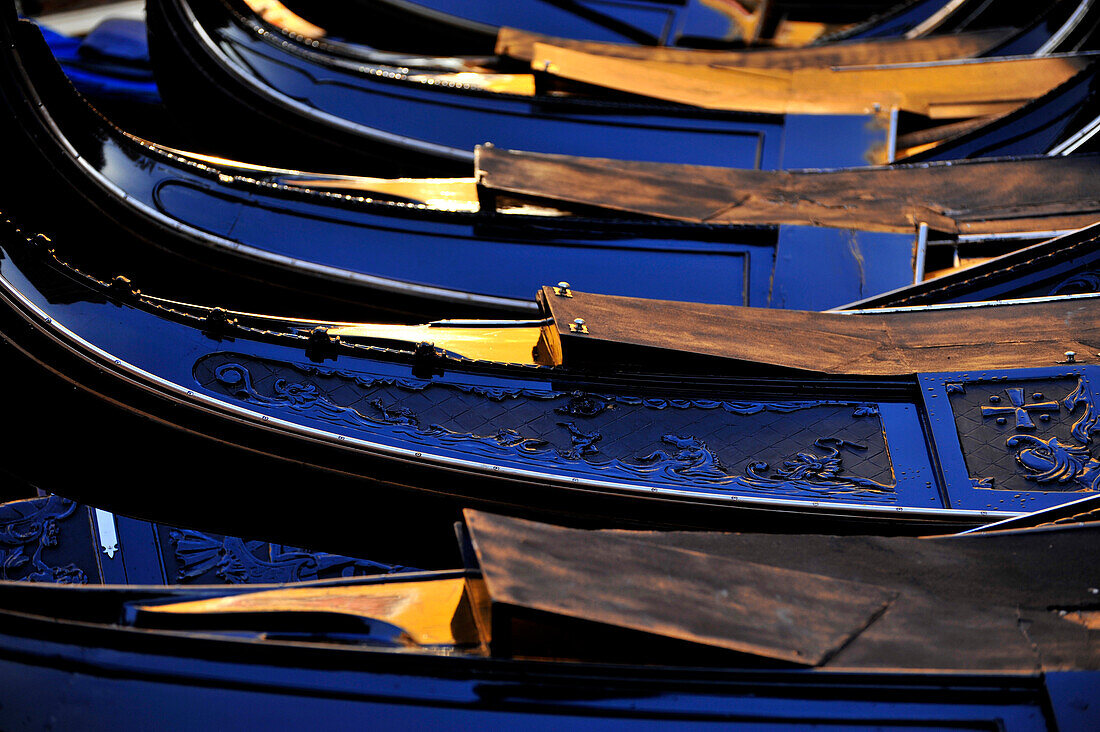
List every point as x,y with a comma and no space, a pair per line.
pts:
57,631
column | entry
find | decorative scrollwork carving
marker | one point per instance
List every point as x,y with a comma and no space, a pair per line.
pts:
583,404
1081,283
1085,424
584,443
23,539
236,561
1049,461
807,468
691,463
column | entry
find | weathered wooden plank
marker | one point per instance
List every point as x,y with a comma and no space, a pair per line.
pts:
623,329
426,611
609,578
974,196
938,90
981,602
520,44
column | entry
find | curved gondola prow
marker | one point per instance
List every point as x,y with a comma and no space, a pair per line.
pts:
57,141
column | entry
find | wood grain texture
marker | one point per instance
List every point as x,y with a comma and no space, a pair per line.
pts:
973,196
940,90
976,603
520,44
611,579
859,344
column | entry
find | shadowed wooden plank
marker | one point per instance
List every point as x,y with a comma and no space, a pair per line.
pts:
866,344
974,196
980,602
611,579
520,44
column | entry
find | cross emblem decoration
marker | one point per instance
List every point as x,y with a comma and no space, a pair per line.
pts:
1019,409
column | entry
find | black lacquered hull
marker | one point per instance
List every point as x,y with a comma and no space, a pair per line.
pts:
266,91
387,255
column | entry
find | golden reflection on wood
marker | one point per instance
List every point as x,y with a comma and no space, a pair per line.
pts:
452,194
939,90
425,610
502,344
798,33
520,44
964,263
1088,618
280,16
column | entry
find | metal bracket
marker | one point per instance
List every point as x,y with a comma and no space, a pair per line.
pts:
321,345
108,538
426,361
121,288
562,290
217,323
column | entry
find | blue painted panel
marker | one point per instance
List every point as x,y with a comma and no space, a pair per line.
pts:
139,549
1075,699
650,18
819,268
833,141
462,121
453,253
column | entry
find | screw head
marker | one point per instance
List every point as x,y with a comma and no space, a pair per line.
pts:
579,321
564,285
1071,356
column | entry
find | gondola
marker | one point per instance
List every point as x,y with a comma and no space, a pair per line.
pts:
859,633
420,247
607,409
277,86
